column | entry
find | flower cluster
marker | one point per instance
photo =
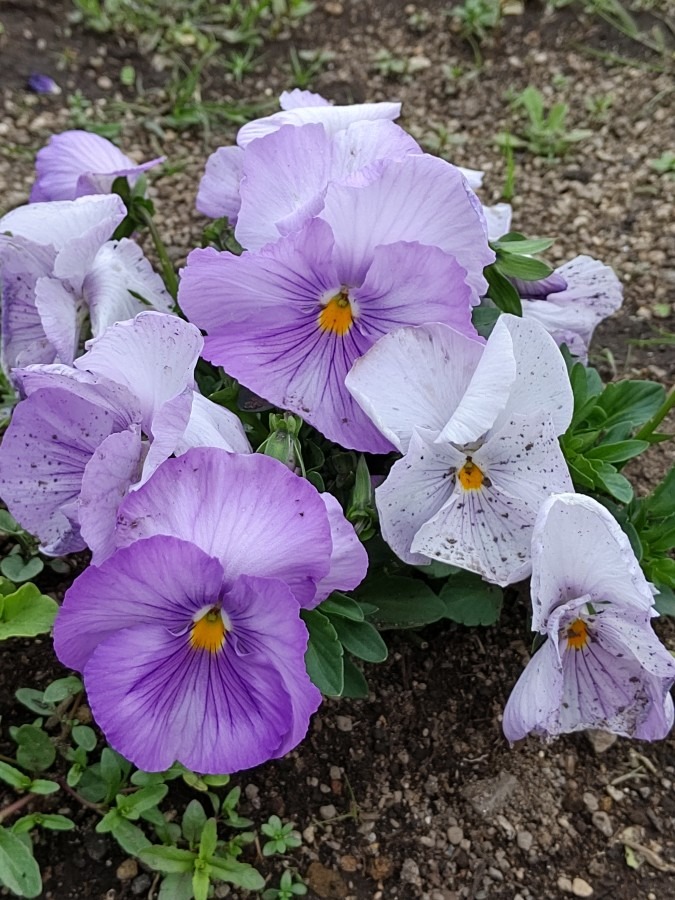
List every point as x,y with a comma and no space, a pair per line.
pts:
352,306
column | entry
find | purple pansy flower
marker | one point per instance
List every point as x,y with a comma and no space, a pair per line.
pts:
185,659
602,666
477,425
58,267
84,435
402,245
252,514
572,301
77,163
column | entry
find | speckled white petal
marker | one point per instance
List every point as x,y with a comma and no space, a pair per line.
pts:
567,526
119,269
412,377
417,487
534,701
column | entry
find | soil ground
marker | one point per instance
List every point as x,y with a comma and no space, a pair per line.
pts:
414,793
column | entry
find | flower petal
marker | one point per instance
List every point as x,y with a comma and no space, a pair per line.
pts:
349,559
218,193
211,425
534,702
61,314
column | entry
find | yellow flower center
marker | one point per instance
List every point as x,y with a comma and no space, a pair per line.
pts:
208,632
470,476
337,315
577,635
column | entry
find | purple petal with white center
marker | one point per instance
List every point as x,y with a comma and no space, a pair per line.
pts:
417,198
417,487
153,355
22,337
119,269
567,525
218,193
488,530
113,468
349,559
333,118
211,425
297,98
414,377
62,316
68,166
248,510
534,702
76,229
51,438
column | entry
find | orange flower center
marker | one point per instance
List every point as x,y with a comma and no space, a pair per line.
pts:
470,476
208,633
577,635
337,315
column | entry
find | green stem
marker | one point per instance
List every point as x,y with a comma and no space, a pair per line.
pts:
170,277
648,429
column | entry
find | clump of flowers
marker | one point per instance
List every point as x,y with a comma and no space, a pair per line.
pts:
381,355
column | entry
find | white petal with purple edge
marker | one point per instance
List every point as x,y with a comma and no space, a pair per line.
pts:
414,377
567,525
218,193
119,268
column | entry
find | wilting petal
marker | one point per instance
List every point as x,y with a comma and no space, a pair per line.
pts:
417,198
349,560
417,487
488,529
62,316
76,163
534,702
404,379
218,193
211,425
118,277
248,510
333,118
113,468
567,525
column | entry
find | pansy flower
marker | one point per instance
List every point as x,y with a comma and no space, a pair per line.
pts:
601,666
572,301
403,244
84,435
478,428
77,163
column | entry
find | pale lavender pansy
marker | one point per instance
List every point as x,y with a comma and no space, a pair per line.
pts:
477,425
185,659
254,515
403,246
78,163
85,435
602,666
572,302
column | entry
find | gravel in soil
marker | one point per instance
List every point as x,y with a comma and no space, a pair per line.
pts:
414,793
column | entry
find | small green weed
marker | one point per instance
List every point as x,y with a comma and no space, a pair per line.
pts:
474,20
544,133
665,164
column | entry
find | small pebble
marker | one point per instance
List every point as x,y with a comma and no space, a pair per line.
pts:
581,888
603,823
141,885
524,840
328,811
127,870
455,835
344,723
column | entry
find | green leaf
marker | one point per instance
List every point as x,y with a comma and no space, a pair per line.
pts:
665,600
130,837
200,884
502,293
35,750
324,654
484,319
192,824
209,839
401,602
6,587
471,601
51,821
524,267
355,685
19,570
176,887
168,859
631,402
13,777
44,786
341,605
84,737
34,701
661,502
132,805
361,639
27,613
19,870
514,242
216,780
616,484
619,452
662,572
241,874
61,688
